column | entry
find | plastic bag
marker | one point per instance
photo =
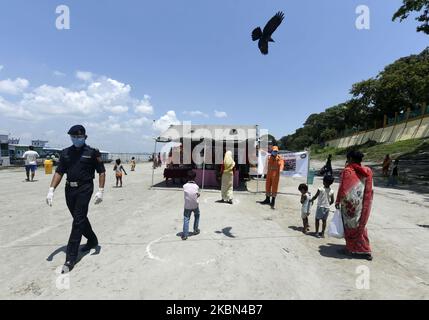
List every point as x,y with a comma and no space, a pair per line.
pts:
336,227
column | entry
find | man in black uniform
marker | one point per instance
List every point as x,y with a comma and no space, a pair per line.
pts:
79,162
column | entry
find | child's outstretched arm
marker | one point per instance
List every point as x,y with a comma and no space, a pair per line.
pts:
315,196
124,171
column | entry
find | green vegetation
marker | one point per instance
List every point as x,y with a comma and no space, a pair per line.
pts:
410,6
400,86
373,151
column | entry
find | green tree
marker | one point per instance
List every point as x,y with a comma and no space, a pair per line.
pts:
418,6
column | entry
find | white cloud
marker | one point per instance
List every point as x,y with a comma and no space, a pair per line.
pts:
84,76
147,138
111,125
196,113
117,109
144,106
139,122
1,67
104,95
59,73
13,111
220,114
14,87
104,105
163,123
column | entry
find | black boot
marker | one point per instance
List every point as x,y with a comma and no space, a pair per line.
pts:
273,202
90,245
266,201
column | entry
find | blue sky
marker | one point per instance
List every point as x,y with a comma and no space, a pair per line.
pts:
126,63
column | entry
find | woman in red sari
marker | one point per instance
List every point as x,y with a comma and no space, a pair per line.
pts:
354,199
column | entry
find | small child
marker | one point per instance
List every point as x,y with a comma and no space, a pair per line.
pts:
118,168
133,164
393,179
306,205
191,192
326,199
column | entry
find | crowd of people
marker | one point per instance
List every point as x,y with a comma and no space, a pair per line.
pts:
353,200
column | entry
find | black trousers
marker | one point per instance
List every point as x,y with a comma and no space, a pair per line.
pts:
77,200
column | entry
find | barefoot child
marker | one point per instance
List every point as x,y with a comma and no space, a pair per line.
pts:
306,205
326,199
118,168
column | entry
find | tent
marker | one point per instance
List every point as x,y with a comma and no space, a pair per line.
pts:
208,139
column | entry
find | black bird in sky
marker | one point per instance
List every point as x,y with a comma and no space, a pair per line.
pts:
265,36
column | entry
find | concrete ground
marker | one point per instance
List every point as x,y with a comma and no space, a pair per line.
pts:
245,251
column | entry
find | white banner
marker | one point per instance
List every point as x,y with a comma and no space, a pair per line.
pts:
262,162
296,164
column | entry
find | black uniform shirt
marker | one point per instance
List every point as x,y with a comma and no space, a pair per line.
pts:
80,164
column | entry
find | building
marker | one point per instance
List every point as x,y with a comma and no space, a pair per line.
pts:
39,143
16,151
210,142
4,150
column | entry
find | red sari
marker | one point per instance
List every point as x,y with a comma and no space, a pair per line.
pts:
355,197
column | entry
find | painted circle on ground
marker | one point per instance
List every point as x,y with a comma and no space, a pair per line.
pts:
171,249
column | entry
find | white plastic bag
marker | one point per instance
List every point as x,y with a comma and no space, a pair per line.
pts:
336,227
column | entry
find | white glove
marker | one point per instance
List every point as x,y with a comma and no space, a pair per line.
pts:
99,196
50,197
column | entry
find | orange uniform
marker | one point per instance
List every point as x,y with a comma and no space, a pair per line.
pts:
274,168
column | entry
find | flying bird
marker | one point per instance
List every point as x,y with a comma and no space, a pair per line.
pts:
264,37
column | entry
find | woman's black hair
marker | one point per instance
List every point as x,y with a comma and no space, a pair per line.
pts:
355,155
303,186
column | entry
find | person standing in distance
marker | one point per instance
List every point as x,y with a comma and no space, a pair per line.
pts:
79,162
30,157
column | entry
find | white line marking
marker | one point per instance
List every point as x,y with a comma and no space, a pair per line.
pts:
149,252
206,263
37,233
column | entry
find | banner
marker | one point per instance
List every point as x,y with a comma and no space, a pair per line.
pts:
296,164
262,162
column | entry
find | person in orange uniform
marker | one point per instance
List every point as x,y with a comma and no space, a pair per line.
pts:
274,168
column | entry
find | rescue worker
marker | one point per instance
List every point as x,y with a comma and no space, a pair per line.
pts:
275,166
79,162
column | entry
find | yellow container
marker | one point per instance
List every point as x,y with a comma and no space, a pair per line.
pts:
48,166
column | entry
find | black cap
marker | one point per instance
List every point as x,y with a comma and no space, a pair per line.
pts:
77,130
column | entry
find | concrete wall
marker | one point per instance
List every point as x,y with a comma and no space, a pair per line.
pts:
397,132
385,135
411,129
414,129
367,136
423,130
